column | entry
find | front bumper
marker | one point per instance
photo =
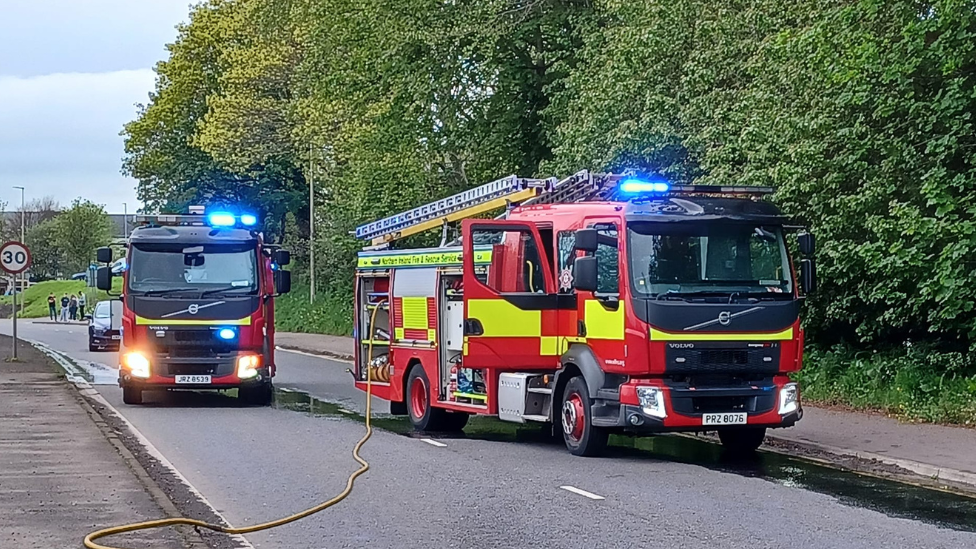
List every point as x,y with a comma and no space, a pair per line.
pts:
108,338
686,408
216,383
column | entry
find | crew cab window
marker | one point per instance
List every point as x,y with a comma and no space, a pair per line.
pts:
608,260
516,264
567,253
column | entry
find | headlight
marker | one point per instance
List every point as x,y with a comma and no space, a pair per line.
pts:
652,401
789,398
247,366
136,363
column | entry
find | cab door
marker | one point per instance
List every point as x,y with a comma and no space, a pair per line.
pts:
509,296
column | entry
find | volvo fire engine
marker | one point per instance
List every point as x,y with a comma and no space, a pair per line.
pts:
198,305
598,304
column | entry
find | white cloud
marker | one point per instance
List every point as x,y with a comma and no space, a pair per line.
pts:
59,135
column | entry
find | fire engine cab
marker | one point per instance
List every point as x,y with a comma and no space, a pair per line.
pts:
599,303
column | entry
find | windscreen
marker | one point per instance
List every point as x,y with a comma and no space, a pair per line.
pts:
102,310
230,269
714,258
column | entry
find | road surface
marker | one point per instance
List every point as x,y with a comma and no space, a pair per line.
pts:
500,486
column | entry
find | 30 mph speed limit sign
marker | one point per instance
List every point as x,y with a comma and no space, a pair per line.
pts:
14,257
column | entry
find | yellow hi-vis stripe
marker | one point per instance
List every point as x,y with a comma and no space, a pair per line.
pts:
415,313
658,335
500,318
603,323
142,321
557,345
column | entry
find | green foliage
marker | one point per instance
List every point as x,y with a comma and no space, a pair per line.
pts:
47,257
78,231
329,314
860,112
916,382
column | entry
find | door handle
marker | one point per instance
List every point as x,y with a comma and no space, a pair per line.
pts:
473,327
580,328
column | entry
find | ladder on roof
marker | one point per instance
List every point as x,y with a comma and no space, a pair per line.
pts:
506,192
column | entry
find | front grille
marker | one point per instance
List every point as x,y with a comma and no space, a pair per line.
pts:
723,356
194,336
192,369
719,360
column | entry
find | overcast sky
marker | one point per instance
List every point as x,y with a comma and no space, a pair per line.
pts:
71,74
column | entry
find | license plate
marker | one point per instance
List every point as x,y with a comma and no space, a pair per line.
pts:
196,380
736,418
116,337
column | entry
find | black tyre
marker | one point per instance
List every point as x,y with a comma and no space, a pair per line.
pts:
579,434
423,416
455,421
92,348
131,395
742,441
260,395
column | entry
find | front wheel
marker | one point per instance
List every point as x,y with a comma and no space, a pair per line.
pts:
579,434
742,441
260,395
131,395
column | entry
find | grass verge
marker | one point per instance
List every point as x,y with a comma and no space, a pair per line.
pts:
329,314
35,297
914,382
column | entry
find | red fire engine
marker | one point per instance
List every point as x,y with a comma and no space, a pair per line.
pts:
198,305
598,304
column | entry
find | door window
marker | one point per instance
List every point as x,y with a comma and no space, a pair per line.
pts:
516,264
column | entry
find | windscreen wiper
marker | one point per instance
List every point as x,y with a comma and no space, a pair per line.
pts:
166,291
221,290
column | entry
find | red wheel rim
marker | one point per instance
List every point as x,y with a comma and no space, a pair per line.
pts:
418,397
573,419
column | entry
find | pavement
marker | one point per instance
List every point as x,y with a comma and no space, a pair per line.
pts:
499,485
932,451
60,476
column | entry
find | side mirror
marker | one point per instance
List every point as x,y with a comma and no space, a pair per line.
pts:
282,257
584,274
587,240
282,280
807,243
808,276
104,255
103,278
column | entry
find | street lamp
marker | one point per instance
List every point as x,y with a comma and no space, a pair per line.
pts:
125,221
23,213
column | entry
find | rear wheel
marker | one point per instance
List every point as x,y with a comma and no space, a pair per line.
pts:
579,434
742,441
423,416
260,395
131,395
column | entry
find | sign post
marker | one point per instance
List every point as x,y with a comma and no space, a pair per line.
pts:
15,258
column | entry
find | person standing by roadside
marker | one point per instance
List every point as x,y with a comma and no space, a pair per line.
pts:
73,307
64,307
82,300
52,308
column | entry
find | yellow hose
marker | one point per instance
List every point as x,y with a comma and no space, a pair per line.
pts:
161,523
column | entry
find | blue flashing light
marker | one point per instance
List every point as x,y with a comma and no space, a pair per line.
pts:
249,219
221,219
634,186
226,334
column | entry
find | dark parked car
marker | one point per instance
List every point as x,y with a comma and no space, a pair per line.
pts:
103,327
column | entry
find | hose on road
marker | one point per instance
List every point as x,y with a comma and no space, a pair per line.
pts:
162,523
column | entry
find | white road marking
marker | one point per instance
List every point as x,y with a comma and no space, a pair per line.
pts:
583,493
434,443
313,355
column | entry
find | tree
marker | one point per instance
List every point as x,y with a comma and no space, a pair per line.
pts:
78,231
47,256
37,211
